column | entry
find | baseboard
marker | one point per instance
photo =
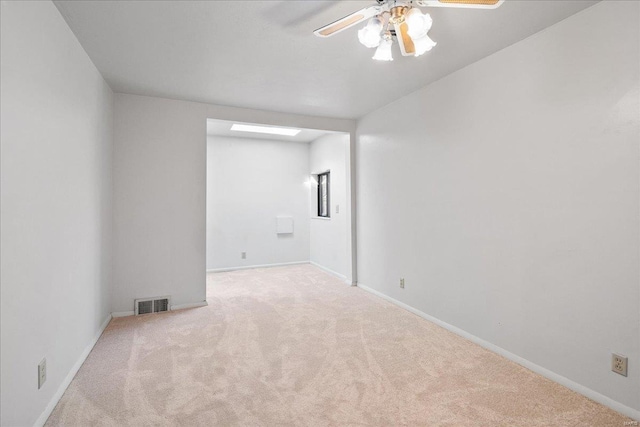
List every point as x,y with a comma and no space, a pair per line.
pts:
122,313
578,388
72,373
248,267
190,305
333,273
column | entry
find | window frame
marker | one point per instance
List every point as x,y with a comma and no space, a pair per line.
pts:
326,174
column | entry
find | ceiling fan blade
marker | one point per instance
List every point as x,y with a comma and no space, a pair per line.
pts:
407,47
347,22
471,4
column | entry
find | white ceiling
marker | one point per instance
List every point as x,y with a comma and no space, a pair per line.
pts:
263,55
223,128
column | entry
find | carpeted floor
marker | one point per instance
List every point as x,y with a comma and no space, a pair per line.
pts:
293,346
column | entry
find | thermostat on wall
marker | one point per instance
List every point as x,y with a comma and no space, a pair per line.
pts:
284,225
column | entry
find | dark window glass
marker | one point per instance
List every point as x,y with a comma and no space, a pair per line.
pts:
323,195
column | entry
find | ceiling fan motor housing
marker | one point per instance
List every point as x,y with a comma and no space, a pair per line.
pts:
397,14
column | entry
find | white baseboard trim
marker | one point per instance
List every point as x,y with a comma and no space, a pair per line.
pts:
247,267
578,388
122,313
72,373
190,305
333,273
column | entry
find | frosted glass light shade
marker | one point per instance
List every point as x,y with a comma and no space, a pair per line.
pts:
370,34
383,52
423,45
419,24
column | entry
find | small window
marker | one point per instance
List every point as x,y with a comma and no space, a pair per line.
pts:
323,195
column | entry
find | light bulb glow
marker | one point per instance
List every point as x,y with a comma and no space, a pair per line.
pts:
383,53
370,34
419,24
423,45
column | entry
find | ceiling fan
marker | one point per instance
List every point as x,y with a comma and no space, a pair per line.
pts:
402,20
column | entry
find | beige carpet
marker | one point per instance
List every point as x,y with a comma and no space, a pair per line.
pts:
293,346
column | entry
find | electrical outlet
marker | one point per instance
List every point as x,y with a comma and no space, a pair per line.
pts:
42,373
402,283
243,255
619,364
337,208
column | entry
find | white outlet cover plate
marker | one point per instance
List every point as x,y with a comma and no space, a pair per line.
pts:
624,361
42,373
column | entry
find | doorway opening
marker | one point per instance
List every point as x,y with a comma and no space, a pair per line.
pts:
278,196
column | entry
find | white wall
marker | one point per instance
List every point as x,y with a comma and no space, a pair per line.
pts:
159,201
330,237
249,183
56,157
160,193
507,196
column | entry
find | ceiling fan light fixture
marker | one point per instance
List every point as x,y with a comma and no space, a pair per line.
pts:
401,19
419,23
369,35
383,52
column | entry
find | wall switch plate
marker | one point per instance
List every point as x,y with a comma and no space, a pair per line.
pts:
402,283
42,373
337,208
619,364
243,255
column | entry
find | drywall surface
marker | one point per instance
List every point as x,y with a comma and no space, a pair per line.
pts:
507,196
160,157
330,237
250,182
159,210
55,236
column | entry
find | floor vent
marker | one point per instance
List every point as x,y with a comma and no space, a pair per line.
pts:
151,305
161,305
